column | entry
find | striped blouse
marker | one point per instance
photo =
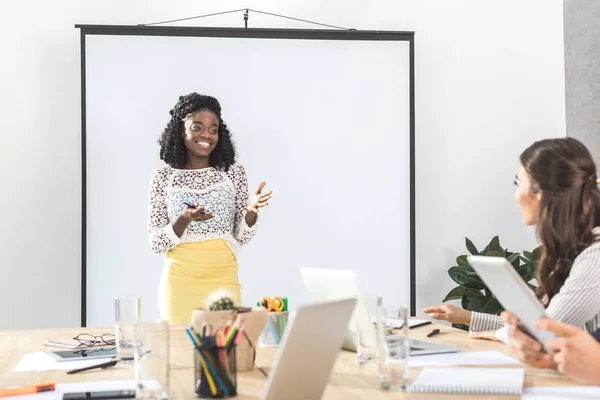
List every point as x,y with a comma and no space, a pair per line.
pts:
577,302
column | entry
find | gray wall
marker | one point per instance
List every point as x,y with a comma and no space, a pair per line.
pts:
582,72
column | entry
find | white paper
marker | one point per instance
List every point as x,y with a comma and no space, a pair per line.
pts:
566,393
463,358
510,379
43,362
62,388
397,324
61,345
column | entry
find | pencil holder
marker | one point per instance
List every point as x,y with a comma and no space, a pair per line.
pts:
274,329
255,320
215,372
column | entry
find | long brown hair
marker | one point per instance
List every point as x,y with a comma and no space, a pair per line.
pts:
564,170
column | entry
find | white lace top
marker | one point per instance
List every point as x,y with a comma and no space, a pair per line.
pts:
224,194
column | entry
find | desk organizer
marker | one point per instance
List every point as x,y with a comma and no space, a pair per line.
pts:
215,372
255,320
275,328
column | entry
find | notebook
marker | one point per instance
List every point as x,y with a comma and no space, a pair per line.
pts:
507,381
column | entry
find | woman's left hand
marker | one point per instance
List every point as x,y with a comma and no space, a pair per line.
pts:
258,199
524,347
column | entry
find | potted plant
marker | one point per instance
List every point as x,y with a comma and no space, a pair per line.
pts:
473,293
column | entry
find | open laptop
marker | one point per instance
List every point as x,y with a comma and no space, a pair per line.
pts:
308,350
331,284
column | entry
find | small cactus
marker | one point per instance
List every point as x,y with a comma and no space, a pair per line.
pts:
220,300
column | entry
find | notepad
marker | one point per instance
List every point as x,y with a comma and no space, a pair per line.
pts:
507,381
462,358
562,393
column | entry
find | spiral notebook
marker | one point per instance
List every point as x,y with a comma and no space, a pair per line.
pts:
507,381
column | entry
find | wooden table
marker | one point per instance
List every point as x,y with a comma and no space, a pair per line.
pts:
348,380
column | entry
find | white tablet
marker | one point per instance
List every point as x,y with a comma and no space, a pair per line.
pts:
512,292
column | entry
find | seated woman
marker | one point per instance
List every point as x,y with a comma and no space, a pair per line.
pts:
558,192
574,352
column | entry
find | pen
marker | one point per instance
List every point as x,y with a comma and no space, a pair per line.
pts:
102,366
433,333
262,370
192,206
42,387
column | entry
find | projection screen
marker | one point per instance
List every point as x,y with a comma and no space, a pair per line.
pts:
325,117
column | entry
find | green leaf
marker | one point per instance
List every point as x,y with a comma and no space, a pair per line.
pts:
494,244
493,253
455,294
488,294
465,302
525,268
512,258
528,255
529,277
471,247
462,261
476,305
460,276
473,294
493,306
525,260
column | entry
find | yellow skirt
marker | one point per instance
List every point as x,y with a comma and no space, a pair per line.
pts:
193,271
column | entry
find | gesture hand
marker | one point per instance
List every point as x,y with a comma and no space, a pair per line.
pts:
450,313
195,214
258,199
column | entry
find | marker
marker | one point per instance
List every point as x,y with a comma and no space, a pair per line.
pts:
43,387
433,333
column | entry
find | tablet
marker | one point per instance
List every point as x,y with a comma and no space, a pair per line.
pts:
84,354
512,292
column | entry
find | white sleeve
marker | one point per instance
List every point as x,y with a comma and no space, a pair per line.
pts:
241,231
162,236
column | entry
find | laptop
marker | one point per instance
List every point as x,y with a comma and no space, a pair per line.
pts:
331,284
308,350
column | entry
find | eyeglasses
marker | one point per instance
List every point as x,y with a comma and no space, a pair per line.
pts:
85,339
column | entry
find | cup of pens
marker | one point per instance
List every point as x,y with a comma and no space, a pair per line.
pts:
276,322
215,368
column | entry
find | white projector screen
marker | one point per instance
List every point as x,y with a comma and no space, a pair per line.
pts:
324,117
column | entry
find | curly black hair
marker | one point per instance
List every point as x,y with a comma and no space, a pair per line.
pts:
172,145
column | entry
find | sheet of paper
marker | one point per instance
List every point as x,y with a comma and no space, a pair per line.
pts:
43,362
562,393
62,388
463,358
396,323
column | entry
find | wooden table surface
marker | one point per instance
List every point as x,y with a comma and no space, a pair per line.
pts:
348,380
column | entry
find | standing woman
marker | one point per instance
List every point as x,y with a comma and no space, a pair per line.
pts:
200,213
